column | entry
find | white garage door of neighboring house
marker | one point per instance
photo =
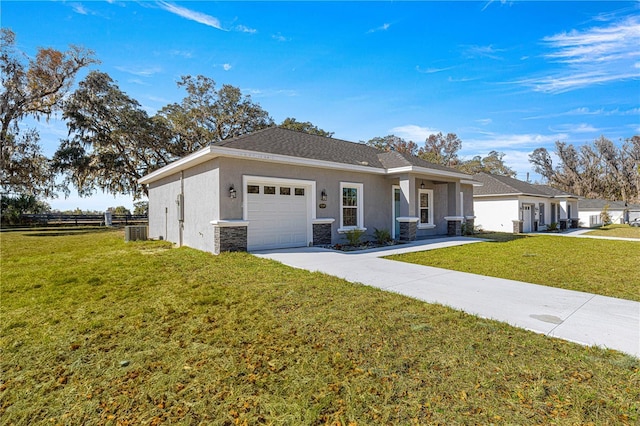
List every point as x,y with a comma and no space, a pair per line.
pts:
277,214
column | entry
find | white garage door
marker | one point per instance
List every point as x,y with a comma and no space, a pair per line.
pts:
277,215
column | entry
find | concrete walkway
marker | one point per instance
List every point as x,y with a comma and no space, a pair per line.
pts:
584,318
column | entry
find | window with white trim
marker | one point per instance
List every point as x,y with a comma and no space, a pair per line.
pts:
425,206
351,215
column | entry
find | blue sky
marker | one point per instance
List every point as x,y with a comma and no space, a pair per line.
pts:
506,76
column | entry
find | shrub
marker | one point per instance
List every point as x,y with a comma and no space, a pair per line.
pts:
353,236
382,236
605,216
468,229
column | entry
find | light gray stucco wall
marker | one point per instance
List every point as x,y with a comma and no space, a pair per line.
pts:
200,187
376,191
206,198
163,212
467,190
201,206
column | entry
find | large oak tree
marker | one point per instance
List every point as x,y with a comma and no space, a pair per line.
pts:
31,87
112,141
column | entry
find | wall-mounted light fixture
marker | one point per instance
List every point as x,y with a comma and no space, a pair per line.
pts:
323,195
232,192
422,185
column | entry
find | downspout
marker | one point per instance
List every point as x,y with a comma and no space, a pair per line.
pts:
181,216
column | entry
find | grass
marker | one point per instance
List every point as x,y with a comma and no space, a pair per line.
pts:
605,267
97,331
620,231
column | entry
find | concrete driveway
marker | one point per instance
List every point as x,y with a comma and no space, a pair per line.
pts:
579,317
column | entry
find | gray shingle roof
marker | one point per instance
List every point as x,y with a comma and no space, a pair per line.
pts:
597,204
554,192
499,185
394,159
275,140
279,141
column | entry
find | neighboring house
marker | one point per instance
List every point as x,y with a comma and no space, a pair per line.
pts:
619,211
504,204
278,188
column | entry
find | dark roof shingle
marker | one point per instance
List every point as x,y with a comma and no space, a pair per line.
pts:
279,141
502,185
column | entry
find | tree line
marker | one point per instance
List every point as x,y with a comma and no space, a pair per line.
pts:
596,170
112,141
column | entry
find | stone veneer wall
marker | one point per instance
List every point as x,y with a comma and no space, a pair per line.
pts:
408,231
229,238
321,234
518,226
454,228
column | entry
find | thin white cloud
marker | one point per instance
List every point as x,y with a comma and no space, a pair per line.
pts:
489,51
264,93
245,29
574,128
484,121
494,141
183,53
226,67
413,132
383,27
597,55
138,82
79,8
490,2
191,15
158,99
432,70
581,111
138,71
279,37
462,79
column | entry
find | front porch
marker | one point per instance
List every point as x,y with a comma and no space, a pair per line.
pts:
426,206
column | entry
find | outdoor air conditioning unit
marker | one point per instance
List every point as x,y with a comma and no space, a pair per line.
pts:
135,233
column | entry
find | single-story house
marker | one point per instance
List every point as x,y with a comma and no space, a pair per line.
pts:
278,188
619,211
505,204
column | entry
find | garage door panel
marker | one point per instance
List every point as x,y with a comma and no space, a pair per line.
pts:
277,220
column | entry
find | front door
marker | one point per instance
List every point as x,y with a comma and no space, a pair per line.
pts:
395,226
527,218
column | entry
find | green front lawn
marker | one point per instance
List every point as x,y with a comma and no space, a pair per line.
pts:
605,267
97,331
620,231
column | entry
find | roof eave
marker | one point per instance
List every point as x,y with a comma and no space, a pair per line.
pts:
435,172
212,151
184,163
